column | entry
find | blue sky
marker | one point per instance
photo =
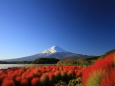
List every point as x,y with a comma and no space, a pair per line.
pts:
28,27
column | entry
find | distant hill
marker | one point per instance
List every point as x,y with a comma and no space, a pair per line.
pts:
53,52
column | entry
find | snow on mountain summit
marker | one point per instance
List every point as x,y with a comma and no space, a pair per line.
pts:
53,52
54,49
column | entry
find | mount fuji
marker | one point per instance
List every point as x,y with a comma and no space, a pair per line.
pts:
53,52
54,49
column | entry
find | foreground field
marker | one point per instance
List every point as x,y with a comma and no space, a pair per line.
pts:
40,75
101,73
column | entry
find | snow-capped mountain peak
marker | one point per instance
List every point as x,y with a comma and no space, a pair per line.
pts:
54,49
53,52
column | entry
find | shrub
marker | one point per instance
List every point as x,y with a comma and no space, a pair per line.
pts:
35,82
8,82
24,82
93,75
44,79
57,75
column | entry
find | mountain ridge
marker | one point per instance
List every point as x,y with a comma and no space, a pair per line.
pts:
53,52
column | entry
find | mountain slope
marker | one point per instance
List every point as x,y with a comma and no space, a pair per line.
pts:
53,52
54,49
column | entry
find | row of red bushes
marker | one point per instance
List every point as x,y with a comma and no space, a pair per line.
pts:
38,75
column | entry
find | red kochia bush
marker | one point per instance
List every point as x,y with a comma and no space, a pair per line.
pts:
57,75
71,74
51,77
108,80
24,82
17,80
44,79
35,82
39,74
63,75
30,76
79,74
100,72
8,82
2,76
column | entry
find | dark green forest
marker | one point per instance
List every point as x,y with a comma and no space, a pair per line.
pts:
45,61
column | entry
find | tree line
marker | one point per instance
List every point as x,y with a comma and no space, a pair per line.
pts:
37,61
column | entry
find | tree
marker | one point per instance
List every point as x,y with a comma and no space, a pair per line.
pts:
45,61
